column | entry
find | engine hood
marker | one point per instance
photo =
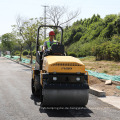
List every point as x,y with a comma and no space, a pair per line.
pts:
63,64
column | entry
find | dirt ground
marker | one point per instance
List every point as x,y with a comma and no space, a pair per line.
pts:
110,90
108,67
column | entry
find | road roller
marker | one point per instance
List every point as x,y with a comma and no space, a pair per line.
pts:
59,80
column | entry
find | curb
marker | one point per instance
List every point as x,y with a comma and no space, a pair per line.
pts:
97,92
20,63
25,65
92,90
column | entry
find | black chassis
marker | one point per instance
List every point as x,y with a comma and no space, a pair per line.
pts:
65,81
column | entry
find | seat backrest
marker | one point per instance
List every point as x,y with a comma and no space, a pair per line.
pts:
57,49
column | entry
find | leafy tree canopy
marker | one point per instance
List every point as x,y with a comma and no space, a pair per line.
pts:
94,36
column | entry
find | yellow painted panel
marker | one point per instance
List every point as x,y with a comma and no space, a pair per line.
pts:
53,59
69,69
63,64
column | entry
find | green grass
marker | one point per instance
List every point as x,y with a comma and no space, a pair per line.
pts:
88,58
34,57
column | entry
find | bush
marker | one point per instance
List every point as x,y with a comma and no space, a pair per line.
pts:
72,54
33,53
25,52
108,51
81,55
17,53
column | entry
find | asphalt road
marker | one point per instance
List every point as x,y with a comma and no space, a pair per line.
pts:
17,102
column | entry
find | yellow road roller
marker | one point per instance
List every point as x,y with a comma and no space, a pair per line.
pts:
59,80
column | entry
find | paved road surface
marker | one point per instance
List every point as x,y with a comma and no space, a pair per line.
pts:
17,102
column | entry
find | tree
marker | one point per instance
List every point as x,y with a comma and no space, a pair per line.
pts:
27,29
0,39
17,33
59,16
56,14
110,18
8,42
21,43
19,39
0,47
117,23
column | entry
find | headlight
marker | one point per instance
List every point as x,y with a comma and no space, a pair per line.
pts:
78,78
54,78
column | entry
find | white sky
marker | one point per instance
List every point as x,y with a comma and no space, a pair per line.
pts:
10,9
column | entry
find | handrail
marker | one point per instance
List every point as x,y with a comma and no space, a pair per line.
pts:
37,41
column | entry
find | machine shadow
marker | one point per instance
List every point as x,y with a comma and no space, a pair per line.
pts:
76,112
62,111
36,100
